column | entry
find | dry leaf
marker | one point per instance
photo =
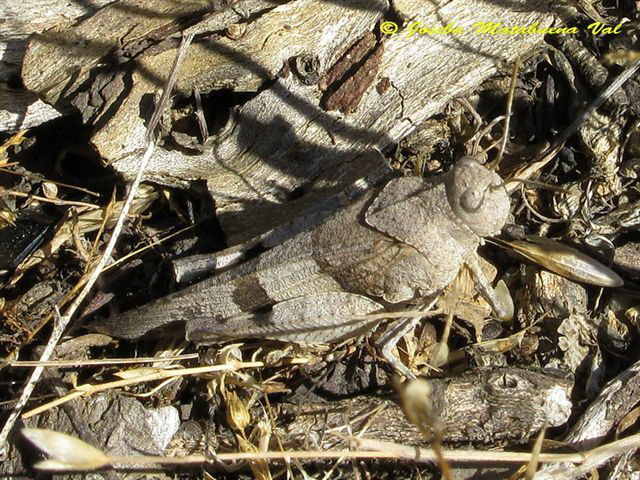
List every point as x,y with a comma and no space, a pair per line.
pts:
238,417
259,468
50,190
88,221
462,298
15,139
566,261
7,218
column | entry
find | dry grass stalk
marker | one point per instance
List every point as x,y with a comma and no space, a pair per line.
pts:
56,444
102,361
507,114
62,321
418,407
41,179
147,247
532,466
67,203
137,376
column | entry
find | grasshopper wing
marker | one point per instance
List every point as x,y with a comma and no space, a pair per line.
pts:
316,318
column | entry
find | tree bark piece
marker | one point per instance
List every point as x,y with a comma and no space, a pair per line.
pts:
282,145
74,51
484,406
614,402
19,108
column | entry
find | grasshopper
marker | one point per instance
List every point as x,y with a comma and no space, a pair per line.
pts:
385,248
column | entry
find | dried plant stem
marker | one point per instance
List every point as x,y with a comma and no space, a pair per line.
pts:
41,179
367,448
597,103
61,322
532,466
157,374
507,115
70,203
103,361
593,457
147,247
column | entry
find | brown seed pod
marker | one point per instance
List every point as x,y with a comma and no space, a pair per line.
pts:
566,261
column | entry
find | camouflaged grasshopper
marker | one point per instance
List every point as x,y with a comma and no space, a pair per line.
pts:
389,246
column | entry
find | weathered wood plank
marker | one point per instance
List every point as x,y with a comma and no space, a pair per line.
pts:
282,145
21,109
484,405
18,108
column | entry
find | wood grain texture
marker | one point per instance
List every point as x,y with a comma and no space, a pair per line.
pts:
282,141
19,108
486,405
72,52
22,18
606,411
281,147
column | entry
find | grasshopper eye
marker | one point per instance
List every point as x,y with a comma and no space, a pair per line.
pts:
471,200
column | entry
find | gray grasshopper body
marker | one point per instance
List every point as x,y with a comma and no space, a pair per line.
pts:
408,239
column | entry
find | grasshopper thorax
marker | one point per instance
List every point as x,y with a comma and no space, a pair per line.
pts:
474,198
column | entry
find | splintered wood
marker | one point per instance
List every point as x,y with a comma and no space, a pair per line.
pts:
20,109
281,147
467,406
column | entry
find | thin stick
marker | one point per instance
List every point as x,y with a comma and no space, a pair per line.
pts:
597,103
106,215
540,216
202,121
532,466
367,448
158,374
592,457
507,115
50,200
62,321
479,136
102,361
146,247
36,177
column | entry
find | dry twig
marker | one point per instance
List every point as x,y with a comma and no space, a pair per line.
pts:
62,321
57,445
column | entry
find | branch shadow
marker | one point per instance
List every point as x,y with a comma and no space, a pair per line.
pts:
281,151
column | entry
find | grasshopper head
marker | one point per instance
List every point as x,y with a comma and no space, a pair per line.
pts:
477,197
